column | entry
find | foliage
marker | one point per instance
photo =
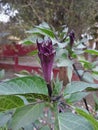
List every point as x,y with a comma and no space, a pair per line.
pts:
26,101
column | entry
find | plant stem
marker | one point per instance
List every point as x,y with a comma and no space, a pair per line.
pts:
80,78
49,89
84,99
55,111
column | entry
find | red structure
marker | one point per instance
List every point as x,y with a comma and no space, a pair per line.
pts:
11,53
15,49
14,52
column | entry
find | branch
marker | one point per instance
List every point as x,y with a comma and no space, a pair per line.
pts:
84,99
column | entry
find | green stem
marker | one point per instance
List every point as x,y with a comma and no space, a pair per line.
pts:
55,110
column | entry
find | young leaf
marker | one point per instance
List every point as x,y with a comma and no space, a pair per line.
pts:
57,86
70,121
23,85
25,116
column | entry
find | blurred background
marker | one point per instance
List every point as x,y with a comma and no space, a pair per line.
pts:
17,16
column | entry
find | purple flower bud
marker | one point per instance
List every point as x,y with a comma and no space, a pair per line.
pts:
46,54
72,38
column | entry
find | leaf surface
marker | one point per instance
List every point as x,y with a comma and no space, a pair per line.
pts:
25,116
23,85
78,86
70,121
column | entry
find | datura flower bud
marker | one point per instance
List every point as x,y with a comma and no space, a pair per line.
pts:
46,54
72,38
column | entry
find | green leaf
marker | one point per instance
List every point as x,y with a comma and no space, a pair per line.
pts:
26,115
36,32
35,97
44,25
57,86
45,29
47,32
62,62
88,77
23,85
74,97
30,40
3,128
95,63
96,69
95,72
33,53
92,52
42,29
29,127
70,121
23,73
62,45
89,117
9,102
70,73
61,54
87,64
78,86
5,117
45,128
96,101
36,125
25,101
